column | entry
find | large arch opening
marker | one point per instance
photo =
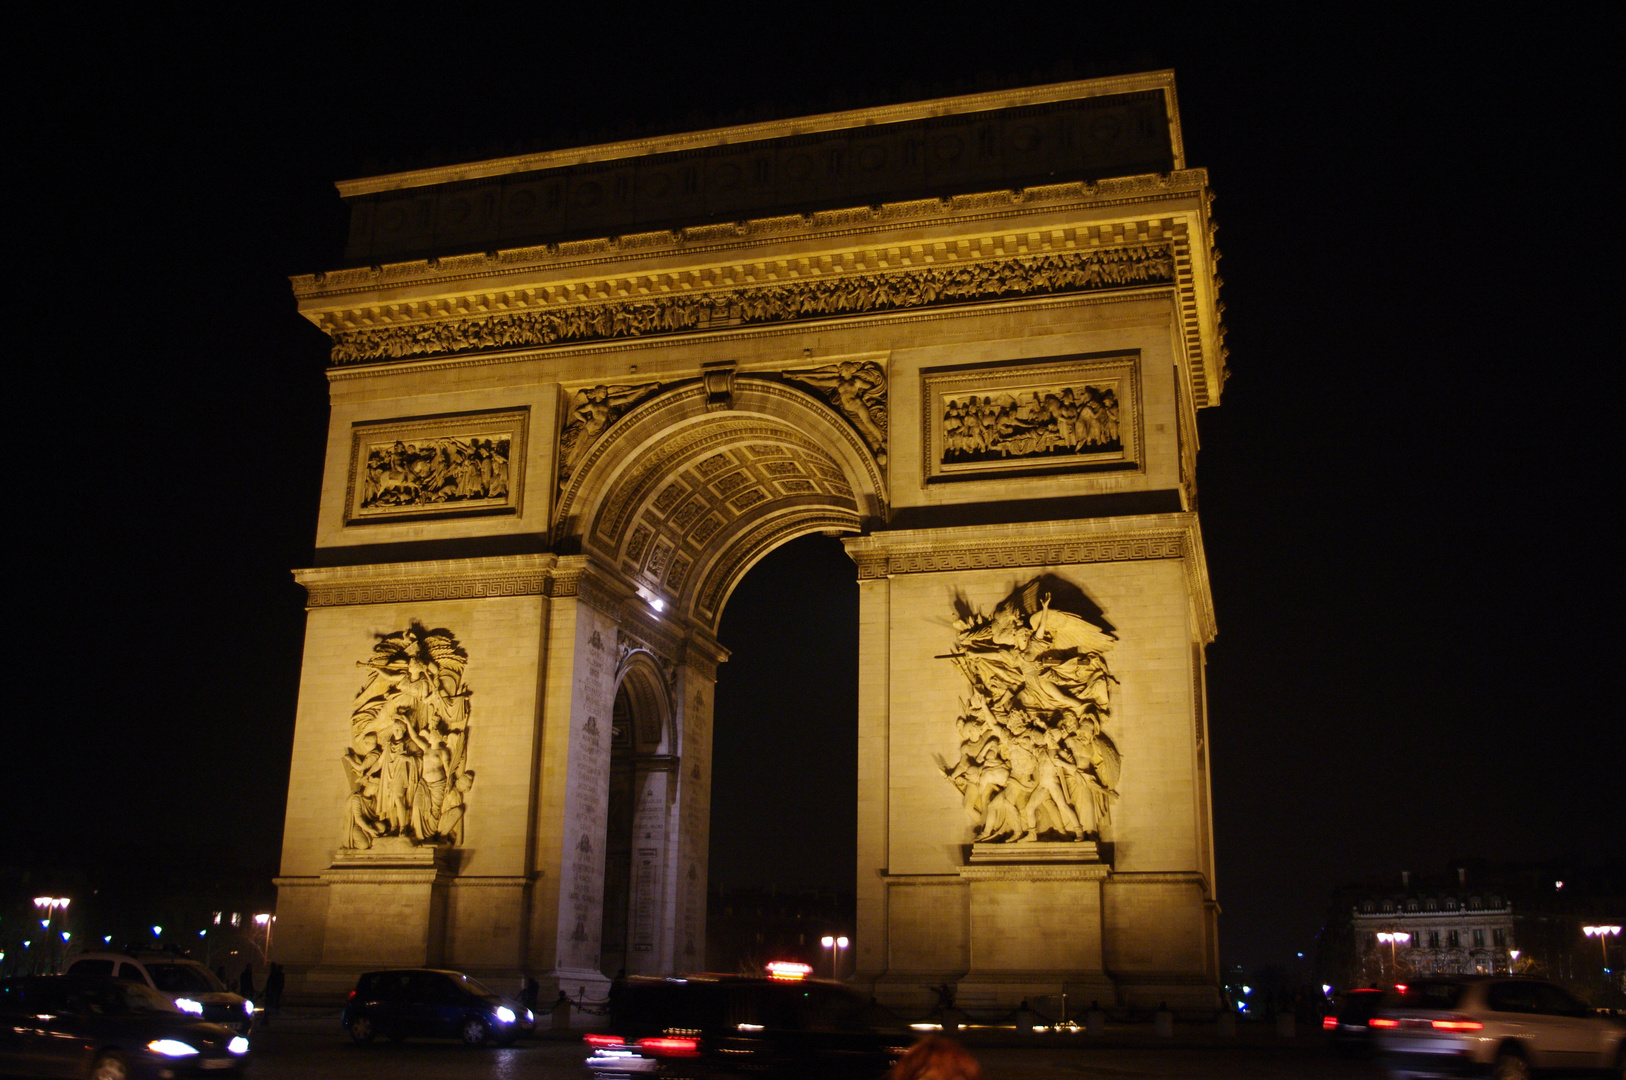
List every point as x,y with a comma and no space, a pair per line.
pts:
784,796
681,501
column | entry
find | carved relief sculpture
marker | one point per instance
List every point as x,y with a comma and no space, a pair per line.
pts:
1035,760
407,765
1036,423
434,471
1049,414
592,411
432,466
857,390
1126,266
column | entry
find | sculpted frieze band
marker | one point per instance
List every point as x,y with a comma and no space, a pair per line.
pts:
1035,761
434,472
1038,423
407,763
857,390
1125,266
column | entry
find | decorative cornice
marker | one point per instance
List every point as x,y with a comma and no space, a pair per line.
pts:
1137,264
448,579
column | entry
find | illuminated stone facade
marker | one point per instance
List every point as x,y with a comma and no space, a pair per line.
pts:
577,395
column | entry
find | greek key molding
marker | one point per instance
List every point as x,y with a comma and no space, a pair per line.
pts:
1127,265
980,557
396,583
1036,872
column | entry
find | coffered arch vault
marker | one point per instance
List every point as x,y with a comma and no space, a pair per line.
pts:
682,497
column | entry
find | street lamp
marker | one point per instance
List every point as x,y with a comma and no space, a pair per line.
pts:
1513,961
1603,934
266,921
49,904
835,944
1392,939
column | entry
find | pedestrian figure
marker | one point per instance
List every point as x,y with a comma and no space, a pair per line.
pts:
561,1013
245,982
527,996
936,1058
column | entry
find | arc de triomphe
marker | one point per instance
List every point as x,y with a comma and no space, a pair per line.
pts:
576,395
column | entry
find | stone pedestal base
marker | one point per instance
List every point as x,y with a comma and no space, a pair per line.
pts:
1035,928
386,908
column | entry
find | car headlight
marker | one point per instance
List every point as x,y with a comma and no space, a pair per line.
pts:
187,1005
530,1017
248,1007
171,1048
505,1014
239,1045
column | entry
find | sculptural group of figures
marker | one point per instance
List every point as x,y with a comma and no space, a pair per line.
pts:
411,473
1129,265
1070,420
856,389
407,765
1034,761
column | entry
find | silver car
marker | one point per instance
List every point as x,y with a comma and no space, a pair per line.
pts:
1504,1027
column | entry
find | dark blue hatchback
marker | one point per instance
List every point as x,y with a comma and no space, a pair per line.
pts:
427,1003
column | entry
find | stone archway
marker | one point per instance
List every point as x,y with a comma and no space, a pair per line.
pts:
560,441
684,493
636,852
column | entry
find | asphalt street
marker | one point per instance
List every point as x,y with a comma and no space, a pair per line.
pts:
306,1051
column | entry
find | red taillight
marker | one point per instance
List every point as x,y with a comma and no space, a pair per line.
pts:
1328,1023
667,1046
352,996
1458,1025
1381,1022
597,1040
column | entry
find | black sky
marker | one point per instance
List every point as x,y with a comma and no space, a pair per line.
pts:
1405,493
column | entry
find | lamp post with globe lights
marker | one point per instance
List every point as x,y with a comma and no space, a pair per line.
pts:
1603,934
835,945
49,905
1392,939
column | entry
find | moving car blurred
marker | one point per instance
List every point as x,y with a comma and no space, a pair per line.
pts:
194,988
1505,1027
706,1025
1348,1020
425,1002
106,1029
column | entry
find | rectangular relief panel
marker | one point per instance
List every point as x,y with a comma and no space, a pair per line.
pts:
436,466
1060,414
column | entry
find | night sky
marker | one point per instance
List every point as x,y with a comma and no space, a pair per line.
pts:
1404,494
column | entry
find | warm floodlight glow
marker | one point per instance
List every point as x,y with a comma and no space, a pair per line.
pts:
651,599
841,942
828,941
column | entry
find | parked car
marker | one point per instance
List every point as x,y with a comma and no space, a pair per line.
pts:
1505,1027
107,1029
194,988
428,1003
706,1025
1348,1020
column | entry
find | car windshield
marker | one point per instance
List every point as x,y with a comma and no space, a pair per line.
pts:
183,978
475,986
114,998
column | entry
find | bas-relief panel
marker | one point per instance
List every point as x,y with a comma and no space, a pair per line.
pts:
587,794
1070,413
436,466
407,764
1036,760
